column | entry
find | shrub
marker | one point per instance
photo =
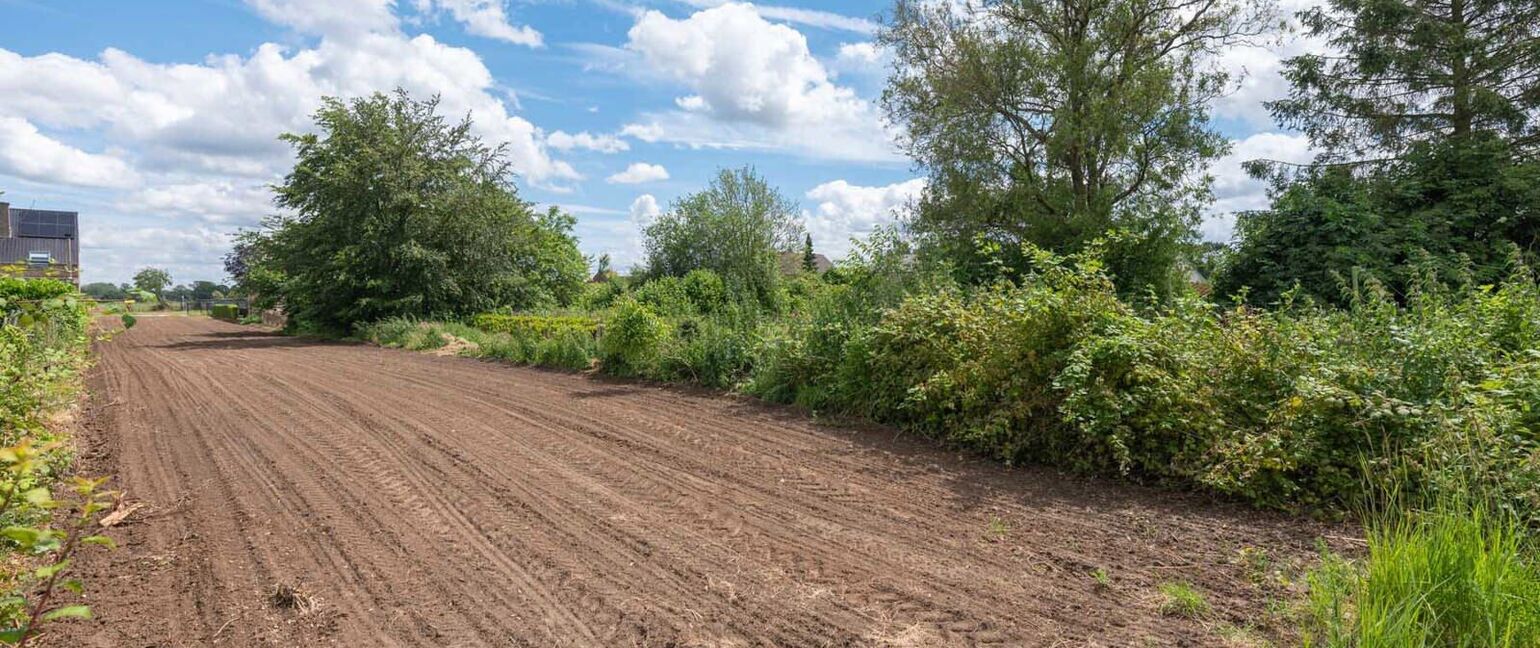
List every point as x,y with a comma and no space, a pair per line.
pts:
631,340
707,352
706,291
227,312
666,296
569,349
540,326
599,296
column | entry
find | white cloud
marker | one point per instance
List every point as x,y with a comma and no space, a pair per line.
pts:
845,210
1257,70
638,173
754,84
858,55
798,15
115,252
563,141
644,132
27,153
486,18
1235,190
644,211
223,116
211,201
330,17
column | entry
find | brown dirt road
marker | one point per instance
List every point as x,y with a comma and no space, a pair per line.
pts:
416,500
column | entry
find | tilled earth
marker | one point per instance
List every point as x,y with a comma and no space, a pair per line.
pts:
303,493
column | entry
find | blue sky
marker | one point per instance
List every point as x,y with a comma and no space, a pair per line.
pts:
157,120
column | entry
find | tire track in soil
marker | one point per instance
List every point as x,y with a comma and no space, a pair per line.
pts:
440,501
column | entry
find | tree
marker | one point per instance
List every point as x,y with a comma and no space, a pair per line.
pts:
602,266
1427,116
1404,73
737,227
1055,121
104,291
152,280
809,262
393,211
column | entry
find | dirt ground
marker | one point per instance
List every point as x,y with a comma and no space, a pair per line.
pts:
301,493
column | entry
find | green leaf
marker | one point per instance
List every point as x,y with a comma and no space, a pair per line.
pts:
100,540
24,536
69,612
13,635
39,496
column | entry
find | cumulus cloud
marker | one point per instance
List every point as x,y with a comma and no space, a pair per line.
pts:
115,251
846,211
753,84
644,211
638,173
867,58
563,141
331,17
214,201
798,15
1235,190
27,153
486,18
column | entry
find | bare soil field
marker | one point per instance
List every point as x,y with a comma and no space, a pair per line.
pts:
301,493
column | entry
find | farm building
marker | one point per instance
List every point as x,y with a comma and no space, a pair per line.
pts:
40,243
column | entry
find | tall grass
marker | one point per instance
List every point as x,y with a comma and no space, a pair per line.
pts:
1456,575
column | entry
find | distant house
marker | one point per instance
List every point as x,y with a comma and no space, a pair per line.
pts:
791,263
40,243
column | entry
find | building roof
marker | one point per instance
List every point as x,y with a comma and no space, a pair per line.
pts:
791,263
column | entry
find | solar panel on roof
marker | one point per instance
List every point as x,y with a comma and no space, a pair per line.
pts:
32,223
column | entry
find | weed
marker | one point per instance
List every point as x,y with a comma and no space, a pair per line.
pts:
1103,581
997,529
1180,599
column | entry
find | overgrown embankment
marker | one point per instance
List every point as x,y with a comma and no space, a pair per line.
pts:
44,344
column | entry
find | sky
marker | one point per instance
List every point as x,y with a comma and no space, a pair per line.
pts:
158,120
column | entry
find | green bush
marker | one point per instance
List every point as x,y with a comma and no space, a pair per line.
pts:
541,326
706,291
707,352
631,340
666,296
227,312
569,349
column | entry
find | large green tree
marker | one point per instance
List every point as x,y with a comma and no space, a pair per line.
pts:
392,210
1056,121
1426,114
737,227
152,280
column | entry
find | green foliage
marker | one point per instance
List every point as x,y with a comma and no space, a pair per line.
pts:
1180,599
152,280
227,312
542,326
735,228
396,212
1055,122
43,348
567,349
1449,576
633,336
708,351
601,295
1455,212
665,296
104,291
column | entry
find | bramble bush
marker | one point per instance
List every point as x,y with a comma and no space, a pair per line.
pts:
1288,406
43,348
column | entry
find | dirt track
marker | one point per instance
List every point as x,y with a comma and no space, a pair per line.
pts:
439,501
